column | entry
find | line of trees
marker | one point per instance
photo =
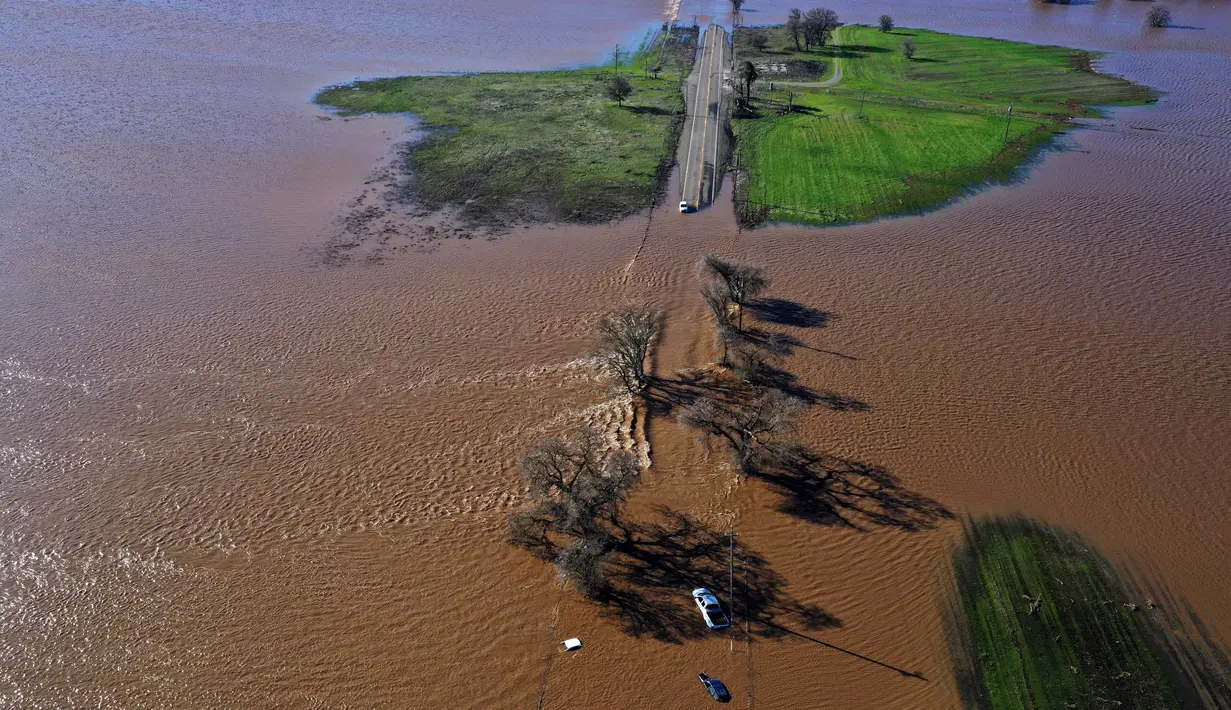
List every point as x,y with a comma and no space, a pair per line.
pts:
577,484
760,421
813,27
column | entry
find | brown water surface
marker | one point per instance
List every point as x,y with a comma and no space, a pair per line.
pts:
233,477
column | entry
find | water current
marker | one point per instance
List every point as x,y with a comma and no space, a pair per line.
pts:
233,476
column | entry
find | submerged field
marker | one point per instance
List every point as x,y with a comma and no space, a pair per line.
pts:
537,146
902,135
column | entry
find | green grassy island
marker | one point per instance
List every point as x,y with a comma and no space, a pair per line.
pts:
896,135
1048,625
538,146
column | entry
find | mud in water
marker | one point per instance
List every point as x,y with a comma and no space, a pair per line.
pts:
232,476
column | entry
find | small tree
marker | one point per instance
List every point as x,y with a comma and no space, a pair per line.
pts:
624,339
619,88
908,48
718,300
886,23
1158,17
748,73
748,428
794,25
758,40
742,283
754,355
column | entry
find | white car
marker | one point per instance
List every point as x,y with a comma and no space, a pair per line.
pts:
684,206
711,610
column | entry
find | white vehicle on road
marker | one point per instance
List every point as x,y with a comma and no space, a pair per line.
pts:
711,610
683,206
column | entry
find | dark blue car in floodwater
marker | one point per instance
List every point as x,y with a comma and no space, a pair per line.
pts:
715,688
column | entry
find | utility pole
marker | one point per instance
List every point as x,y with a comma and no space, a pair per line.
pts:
731,535
617,60
1007,123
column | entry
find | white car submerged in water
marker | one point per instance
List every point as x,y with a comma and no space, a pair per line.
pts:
711,610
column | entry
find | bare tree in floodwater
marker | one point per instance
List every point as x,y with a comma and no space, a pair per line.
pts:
742,283
749,427
578,488
718,300
624,339
1158,17
753,356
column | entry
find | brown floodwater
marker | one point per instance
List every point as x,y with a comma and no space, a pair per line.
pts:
231,476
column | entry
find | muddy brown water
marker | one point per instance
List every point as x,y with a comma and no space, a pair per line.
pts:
233,477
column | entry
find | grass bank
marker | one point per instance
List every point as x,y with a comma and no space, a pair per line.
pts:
773,52
1048,625
902,135
537,146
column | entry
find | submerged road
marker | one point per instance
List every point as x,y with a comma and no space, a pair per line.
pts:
705,137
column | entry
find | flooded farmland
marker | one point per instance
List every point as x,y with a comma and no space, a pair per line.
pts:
234,476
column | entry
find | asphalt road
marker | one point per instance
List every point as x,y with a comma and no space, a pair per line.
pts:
704,139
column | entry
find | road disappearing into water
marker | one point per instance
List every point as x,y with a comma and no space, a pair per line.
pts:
705,134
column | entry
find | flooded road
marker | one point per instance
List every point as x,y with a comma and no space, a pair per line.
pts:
231,476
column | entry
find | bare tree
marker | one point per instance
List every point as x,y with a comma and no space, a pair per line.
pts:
718,300
748,73
886,23
748,427
794,25
817,24
619,88
758,40
908,48
736,5
1158,17
754,355
578,485
742,283
624,339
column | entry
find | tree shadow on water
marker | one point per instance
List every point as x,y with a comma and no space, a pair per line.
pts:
830,490
656,566
784,312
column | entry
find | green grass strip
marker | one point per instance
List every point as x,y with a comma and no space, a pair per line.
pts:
1050,626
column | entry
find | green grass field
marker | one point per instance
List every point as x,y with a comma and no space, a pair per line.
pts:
1085,644
536,146
899,135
